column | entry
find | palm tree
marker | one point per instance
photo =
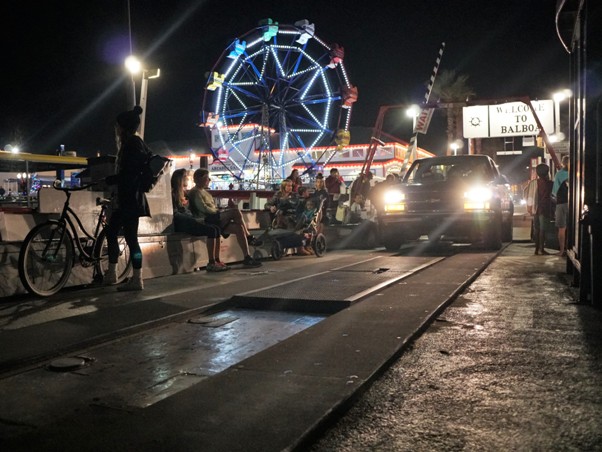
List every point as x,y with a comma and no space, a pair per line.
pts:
450,88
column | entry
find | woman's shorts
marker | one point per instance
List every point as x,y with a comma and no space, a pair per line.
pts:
561,215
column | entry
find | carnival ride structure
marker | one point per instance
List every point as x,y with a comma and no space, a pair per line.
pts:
276,93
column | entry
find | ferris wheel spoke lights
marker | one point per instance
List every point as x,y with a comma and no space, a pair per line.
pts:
275,94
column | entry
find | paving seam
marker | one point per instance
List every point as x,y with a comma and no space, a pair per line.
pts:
302,278
256,299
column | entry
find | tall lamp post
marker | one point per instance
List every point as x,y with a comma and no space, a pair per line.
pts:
146,76
134,67
413,113
454,147
559,97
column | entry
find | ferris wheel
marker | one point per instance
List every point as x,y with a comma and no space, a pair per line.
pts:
278,97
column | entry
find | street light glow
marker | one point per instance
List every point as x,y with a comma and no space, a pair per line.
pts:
133,64
413,111
559,96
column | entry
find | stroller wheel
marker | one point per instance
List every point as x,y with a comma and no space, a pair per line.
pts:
319,245
277,250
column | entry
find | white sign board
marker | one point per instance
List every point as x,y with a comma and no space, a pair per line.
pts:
508,120
423,120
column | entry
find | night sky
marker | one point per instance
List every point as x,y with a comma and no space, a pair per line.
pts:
63,79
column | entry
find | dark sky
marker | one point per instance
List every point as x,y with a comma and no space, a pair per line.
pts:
63,75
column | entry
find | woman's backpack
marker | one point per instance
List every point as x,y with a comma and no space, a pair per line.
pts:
154,167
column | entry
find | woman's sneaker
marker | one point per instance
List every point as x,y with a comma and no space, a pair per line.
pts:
214,267
250,262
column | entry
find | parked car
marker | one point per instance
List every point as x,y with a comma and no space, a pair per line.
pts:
461,197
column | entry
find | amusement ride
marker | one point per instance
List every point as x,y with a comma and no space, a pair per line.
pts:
275,94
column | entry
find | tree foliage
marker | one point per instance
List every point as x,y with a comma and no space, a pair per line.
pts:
450,87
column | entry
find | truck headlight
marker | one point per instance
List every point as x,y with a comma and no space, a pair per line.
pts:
394,201
478,198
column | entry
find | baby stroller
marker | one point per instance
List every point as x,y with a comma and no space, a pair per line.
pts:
277,241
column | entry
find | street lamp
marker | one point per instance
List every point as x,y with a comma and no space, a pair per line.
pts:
134,66
559,97
413,113
146,76
12,149
454,147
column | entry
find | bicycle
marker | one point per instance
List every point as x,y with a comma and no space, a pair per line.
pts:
47,255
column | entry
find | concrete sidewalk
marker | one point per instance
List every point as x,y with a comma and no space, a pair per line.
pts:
513,364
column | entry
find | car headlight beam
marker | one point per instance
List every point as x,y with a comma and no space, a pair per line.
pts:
478,198
394,201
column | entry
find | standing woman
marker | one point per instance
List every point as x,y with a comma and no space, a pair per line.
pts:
131,200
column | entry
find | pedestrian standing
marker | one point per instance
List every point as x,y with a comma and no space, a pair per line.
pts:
560,191
333,183
543,206
130,201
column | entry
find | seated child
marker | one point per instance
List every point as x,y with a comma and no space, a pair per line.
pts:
355,212
306,215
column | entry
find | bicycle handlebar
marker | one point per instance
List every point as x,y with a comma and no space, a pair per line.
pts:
57,186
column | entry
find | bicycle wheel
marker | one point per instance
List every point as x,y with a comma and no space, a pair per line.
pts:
101,252
46,259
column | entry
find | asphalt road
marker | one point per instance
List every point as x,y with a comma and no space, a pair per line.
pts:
155,357
512,364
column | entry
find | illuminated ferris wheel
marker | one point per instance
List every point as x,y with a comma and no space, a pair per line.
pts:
277,93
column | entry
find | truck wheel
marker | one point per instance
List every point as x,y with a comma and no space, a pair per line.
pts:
392,242
507,230
492,235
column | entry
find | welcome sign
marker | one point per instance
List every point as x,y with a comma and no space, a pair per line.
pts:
507,120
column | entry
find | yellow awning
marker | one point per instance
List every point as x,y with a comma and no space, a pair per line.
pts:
24,161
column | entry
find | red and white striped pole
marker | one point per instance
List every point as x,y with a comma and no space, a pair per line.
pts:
425,114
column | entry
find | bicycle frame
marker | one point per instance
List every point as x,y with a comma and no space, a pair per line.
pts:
48,253
67,218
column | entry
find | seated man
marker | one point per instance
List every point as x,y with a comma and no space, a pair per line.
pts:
230,221
183,221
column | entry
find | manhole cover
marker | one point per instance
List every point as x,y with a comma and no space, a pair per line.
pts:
66,364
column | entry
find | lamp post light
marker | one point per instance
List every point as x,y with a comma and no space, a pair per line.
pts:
454,147
559,97
12,149
146,76
413,113
134,66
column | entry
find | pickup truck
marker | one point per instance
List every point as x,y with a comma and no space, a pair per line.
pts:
459,198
